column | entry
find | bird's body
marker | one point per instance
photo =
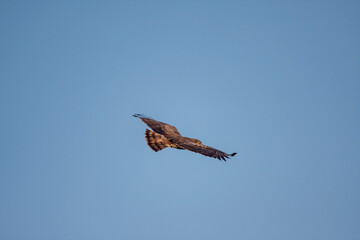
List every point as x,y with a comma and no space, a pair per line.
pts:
165,135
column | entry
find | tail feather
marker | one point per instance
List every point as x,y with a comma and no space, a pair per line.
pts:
156,141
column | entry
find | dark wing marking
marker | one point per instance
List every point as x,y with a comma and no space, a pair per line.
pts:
202,149
159,127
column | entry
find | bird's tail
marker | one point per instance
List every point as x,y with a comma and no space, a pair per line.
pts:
156,141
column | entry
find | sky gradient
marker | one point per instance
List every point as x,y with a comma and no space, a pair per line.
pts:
277,82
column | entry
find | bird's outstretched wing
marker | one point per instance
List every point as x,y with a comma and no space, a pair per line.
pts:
203,149
159,127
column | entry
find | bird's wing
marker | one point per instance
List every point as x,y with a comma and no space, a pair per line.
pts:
203,149
159,127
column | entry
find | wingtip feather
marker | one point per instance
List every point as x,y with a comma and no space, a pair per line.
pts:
140,115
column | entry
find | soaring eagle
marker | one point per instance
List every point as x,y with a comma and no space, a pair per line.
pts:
165,135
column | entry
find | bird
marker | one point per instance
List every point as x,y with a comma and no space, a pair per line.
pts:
164,135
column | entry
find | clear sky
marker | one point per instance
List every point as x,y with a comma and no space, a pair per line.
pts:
276,81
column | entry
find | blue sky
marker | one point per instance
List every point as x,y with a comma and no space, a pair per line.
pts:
276,81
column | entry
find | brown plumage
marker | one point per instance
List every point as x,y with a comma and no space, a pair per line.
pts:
165,135
156,141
